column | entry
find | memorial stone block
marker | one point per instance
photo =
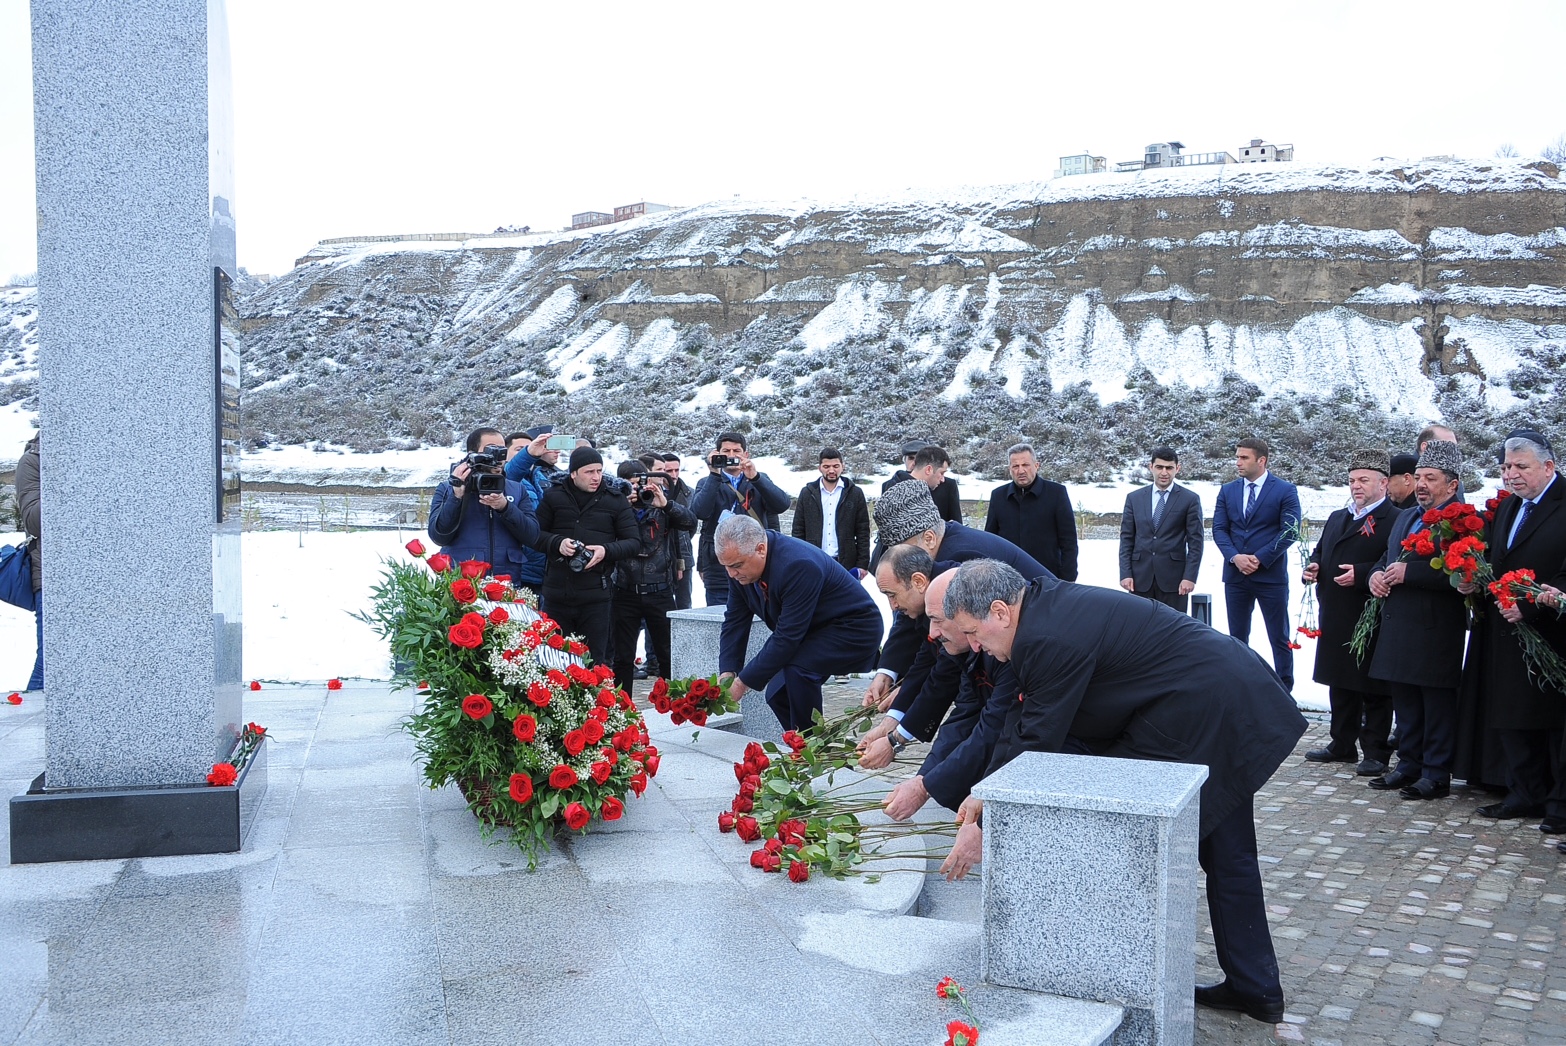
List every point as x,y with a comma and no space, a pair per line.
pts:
693,651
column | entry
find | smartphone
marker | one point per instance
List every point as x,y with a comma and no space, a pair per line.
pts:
566,443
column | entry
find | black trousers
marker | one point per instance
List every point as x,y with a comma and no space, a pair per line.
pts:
630,610
682,592
1173,599
1237,907
1531,760
1360,717
1426,730
583,613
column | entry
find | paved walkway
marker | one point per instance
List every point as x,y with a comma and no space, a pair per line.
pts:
365,909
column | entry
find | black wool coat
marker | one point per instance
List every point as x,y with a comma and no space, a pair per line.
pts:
1424,622
1361,544
1037,519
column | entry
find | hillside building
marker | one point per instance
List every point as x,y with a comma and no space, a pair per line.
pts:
1172,154
1081,163
636,210
588,219
1265,152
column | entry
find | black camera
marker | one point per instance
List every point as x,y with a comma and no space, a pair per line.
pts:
491,457
646,490
489,483
579,560
723,461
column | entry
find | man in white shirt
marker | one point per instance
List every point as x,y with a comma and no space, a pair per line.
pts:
832,514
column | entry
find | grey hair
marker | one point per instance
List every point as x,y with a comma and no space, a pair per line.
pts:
978,584
739,532
1022,448
1540,451
907,560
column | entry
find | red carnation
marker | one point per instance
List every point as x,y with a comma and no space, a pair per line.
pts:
593,730
13,699
960,1034
562,777
476,706
498,616
465,635
521,787
574,742
539,694
462,591
415,547
494,591
601,772
524,727
612,809
255,728
334,684
798,871
222,775
474,568
638,782
440,563
747,828
576,817
255,684
726,821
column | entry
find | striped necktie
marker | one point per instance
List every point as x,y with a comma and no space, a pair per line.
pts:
1158,509
1250,499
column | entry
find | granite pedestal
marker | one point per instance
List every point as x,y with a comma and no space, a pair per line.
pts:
693,651
139,364
1090,886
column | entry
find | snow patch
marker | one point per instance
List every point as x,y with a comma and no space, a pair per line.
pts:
551,315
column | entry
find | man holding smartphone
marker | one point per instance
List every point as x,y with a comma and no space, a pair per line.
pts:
731,487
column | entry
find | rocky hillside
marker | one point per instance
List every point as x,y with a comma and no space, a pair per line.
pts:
1323,307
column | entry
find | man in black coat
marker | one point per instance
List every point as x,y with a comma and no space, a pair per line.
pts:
931,470
1035,514
582,513
1161,536
730,489
832,515
1351,544
1101,674
1419,648
1400,487
1527,533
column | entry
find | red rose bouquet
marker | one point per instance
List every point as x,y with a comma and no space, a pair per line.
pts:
692,700
537,740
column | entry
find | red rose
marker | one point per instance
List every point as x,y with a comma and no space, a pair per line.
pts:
574,742
334,684
521,787
626,703
415,547
556,642
748,787
474,568
1453,510
612,809
465,635
741,771
255,684
593,730
757,856
463,591
625,739
770,862
792,832
562,777
726,821
576,648
476,706
798,871
747,828
498,616
699,688
795,740
601,772
652,763
440,563
576,817
557,679
494,592
502,577
742,804
524,727
661,704
659,688
539,694
773,846
604,673
607,699
222,775
638,782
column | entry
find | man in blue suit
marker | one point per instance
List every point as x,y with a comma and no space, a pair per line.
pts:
823,622
1254,523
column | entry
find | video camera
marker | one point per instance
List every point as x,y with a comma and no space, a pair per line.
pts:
487,466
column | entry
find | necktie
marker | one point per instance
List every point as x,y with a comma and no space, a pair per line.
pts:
1158,509
1522,517
1250,499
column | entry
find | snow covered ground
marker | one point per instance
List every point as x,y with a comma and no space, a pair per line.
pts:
300,589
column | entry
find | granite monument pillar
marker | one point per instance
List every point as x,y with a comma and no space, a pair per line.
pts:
139,414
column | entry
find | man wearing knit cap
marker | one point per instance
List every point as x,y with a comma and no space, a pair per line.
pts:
1419,647
1400,484
582,515
1352,542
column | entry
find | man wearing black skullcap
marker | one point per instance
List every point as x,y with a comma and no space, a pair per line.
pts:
586,529
1400,485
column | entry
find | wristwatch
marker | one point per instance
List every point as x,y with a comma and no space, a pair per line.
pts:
897,743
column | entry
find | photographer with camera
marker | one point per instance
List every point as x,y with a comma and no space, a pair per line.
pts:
680,492
732,486
477,513
585,530
644,584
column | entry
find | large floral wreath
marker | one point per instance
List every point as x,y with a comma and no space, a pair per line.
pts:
534,737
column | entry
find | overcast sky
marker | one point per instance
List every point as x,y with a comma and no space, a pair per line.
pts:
382,117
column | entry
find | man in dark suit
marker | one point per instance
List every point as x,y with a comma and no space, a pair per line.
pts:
1035,514
1400,487
1161,536
1254,522
1101,674
931,470
823,622
832,515
1419,646
1528,533
1351,544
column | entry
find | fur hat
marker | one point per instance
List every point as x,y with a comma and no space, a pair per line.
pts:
1373,460
582,456
905,511
1440,454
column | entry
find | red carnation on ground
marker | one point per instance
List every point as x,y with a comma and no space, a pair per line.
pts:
612,809
798,871
222,775
498,616
474,568
948,988
477,706
462,591
334,684
539,694
960,1034
521,787
726,821
440,562
524,727
562,777
415,547
495,592
576,817
255,684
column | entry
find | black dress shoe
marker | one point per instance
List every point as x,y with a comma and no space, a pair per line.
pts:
1553,824
1387,782
1561,847
1424,788
1369,767
1503,812
1327,755
1222,997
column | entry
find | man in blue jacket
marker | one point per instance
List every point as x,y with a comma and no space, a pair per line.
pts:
497,528
732,486
823,622
1255,521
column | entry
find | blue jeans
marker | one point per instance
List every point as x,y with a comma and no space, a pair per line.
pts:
36,682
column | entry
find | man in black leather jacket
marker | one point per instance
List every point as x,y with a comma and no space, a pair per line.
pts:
644,584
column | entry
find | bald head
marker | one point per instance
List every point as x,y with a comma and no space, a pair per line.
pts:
943,630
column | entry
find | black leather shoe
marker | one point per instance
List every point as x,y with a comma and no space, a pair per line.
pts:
1502,812
1561,847
1387,782
1327,755
1222,997
1370,767
1553,824
1424,788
